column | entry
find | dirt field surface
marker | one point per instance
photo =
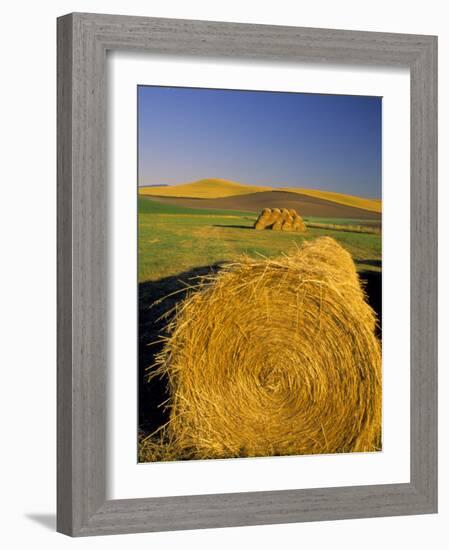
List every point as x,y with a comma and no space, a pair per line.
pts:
255,202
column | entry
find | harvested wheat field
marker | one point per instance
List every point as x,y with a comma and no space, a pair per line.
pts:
272,357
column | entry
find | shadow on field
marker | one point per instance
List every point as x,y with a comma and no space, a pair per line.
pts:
152,413
374,263
372,283
151,327
234,226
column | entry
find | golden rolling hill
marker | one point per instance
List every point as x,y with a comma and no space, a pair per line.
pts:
215,188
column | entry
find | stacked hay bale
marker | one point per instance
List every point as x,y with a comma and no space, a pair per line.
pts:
287,220
298,222
272,357
280,220
266,218
277,226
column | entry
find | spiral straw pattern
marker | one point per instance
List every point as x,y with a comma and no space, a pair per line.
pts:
272,357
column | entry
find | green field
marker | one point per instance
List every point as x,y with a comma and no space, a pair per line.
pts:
174,239
342,221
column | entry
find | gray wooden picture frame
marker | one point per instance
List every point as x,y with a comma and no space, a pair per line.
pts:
83,40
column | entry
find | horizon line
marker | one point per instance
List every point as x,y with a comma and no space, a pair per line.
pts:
268,186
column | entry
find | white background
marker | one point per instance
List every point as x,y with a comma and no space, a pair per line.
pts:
392,465
27,300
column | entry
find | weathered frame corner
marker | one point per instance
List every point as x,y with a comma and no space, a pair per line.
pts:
83,40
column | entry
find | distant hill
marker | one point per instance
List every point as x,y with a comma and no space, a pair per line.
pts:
215,188
255,202
212,188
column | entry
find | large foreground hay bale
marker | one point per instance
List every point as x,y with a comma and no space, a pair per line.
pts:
273,357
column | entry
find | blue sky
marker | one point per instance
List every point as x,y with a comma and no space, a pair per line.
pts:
328,142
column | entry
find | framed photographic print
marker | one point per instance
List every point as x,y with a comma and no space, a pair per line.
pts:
255,338
246,274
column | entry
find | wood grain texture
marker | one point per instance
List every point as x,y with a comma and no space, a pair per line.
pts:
423,275
83,40
64,277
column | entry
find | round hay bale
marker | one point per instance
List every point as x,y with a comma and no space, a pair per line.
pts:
285,214
288,225
273,357
263,219
266,214
273,217
268,217
298,224
286,220
259,225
